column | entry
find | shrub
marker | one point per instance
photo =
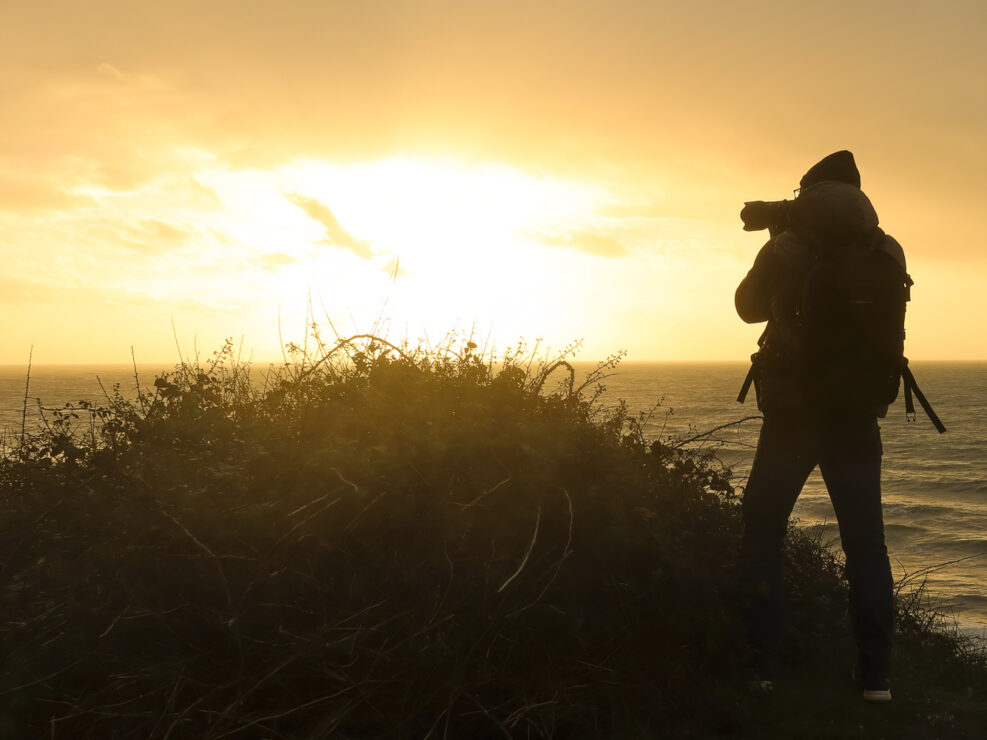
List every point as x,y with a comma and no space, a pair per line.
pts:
377,541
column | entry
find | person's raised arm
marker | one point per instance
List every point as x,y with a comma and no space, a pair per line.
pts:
753,296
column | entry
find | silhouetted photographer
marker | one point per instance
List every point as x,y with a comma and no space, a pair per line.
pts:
832,287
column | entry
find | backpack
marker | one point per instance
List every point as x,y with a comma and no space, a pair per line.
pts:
851,320
850,317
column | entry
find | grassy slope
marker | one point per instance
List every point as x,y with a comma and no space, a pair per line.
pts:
399,543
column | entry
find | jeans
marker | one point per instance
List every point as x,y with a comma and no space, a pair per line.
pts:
848,451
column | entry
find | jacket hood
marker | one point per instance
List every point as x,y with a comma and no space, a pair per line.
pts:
838,166
831,214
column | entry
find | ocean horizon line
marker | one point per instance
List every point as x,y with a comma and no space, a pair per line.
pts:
175,363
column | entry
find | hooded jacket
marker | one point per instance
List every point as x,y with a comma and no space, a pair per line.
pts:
828,215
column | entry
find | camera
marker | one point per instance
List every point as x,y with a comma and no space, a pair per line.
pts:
771,215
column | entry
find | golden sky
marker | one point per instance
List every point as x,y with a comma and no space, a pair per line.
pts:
555,170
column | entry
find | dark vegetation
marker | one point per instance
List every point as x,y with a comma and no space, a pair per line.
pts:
384,542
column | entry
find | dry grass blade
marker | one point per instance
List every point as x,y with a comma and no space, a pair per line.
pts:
527,554
232,623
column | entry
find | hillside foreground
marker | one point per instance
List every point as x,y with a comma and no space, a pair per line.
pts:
374,541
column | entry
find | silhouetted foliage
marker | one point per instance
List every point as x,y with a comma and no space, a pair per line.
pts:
375,541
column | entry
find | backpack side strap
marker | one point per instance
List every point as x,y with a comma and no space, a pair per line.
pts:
910,387
752,377
742,396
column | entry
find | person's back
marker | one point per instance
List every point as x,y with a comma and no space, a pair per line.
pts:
808,423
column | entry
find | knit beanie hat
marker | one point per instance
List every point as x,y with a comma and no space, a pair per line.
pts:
838,166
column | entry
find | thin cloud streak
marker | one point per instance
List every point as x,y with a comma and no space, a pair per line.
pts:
336,235
275,260
150,236
588,242
22,193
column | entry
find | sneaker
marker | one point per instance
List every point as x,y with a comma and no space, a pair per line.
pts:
877,695
878,691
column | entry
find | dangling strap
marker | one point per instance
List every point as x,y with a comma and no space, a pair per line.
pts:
751,378
747,385
910,386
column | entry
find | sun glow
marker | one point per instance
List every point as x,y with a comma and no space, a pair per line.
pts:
436,205
443,242
428,245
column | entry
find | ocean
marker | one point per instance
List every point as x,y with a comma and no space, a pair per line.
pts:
934,486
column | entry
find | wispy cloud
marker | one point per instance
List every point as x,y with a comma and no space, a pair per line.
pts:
31,292
336,235
21,291
22,193
589,242
149,236
274,260
162,230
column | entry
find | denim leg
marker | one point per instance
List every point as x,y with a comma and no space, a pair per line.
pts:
850,462
783,461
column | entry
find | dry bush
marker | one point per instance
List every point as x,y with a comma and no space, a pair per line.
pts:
368,541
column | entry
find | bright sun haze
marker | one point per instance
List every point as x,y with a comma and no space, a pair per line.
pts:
538,170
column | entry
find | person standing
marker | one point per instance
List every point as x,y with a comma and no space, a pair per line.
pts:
821,386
